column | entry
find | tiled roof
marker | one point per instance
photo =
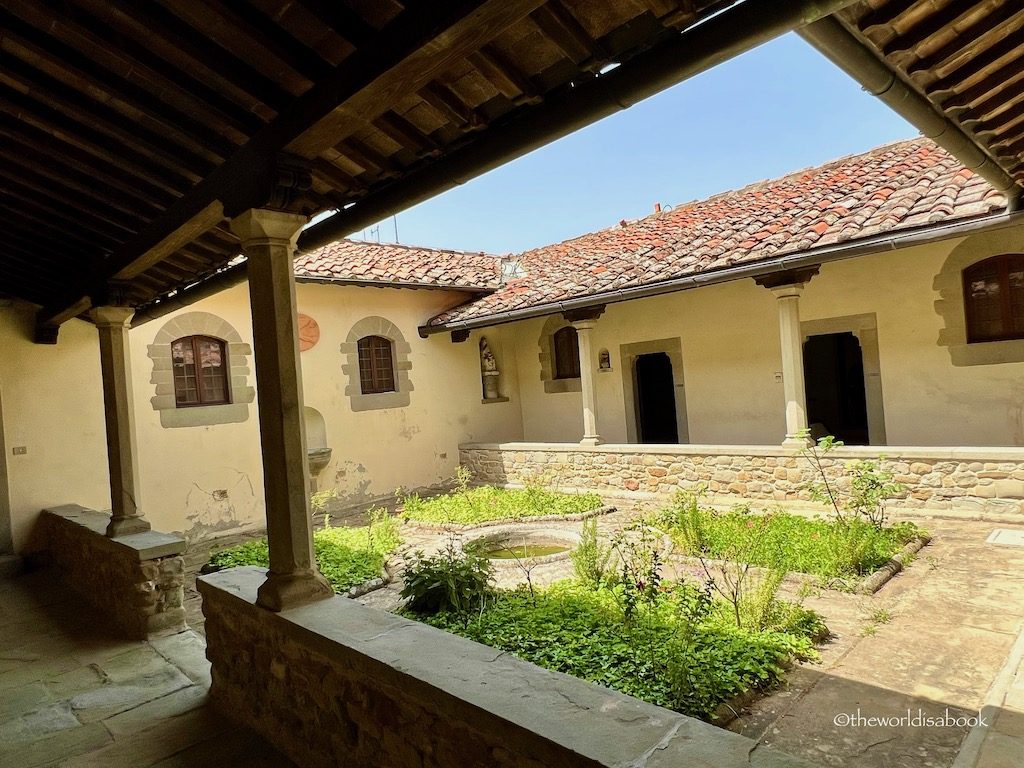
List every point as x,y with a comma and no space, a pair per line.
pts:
388,263
900,186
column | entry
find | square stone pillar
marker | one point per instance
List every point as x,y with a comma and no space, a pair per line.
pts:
113,323
268,240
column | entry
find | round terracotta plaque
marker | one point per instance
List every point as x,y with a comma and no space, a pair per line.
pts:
309,332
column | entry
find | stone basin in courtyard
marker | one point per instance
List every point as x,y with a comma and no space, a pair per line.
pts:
544,550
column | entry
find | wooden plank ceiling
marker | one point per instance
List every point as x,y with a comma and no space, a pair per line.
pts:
130,130
966,57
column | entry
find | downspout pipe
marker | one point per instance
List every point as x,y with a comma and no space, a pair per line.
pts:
718,38
839,45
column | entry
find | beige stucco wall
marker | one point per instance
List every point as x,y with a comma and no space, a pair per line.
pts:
208,478
52,406
731,354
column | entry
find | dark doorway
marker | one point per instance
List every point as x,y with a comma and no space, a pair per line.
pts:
656,399
834,378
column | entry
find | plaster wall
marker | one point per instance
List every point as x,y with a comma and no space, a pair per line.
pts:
207,478
52,419
936,389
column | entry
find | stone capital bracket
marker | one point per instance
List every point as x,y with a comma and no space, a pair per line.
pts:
108,316
460,335
583,314
257,226
788,278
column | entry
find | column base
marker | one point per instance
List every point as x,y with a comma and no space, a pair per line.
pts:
126,526
591,441
282,591
797,441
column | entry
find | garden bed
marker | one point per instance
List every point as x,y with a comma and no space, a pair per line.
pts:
467,508
847,554
353,560
677,648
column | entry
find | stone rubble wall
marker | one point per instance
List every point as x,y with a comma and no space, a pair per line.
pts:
970,481
142,596
338,683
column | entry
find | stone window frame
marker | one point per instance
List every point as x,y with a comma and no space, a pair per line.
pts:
546,356
951,306
162,377
401,350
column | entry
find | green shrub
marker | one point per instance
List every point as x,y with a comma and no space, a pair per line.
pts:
485,503
453,580
682,656
346,557
834,549
591,560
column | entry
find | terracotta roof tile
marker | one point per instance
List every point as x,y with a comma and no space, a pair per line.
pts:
894,187
353,260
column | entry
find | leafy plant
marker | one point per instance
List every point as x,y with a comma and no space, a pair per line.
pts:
345,556
453,580
591,560
869,485
470,505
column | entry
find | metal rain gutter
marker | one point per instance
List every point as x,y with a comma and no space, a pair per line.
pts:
839,45
822,255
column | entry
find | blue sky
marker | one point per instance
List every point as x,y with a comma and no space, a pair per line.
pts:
776,109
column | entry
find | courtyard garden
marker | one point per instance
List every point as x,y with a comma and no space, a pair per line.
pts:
685,606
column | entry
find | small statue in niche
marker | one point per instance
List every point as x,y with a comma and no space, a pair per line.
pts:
489,371
604,361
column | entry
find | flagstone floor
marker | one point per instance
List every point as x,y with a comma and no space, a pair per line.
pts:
74,695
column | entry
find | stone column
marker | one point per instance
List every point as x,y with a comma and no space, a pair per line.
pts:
113,323
590,434
584,320
787,287
268,240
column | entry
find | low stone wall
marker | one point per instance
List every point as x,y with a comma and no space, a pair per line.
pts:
137,580
973,481
338,683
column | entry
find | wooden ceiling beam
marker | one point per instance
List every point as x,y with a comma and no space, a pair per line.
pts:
885,15
68,179
38,145
246,96
345,22
997,55
1000,101
17,175
119,64
116,125
451,107
43,220
953,14
103,234
58,125
402,132
270,36
504,75
406,58
964,47
993,82
563,30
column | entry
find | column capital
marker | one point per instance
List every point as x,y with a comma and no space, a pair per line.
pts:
263,225
112,316
584,325
788,282
583,314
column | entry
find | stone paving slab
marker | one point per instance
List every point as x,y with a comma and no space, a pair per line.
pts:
74,695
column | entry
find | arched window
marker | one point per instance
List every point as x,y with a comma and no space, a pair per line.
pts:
200,367
994,298
565,351
376,365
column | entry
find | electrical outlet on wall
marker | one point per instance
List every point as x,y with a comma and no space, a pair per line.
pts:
19,450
